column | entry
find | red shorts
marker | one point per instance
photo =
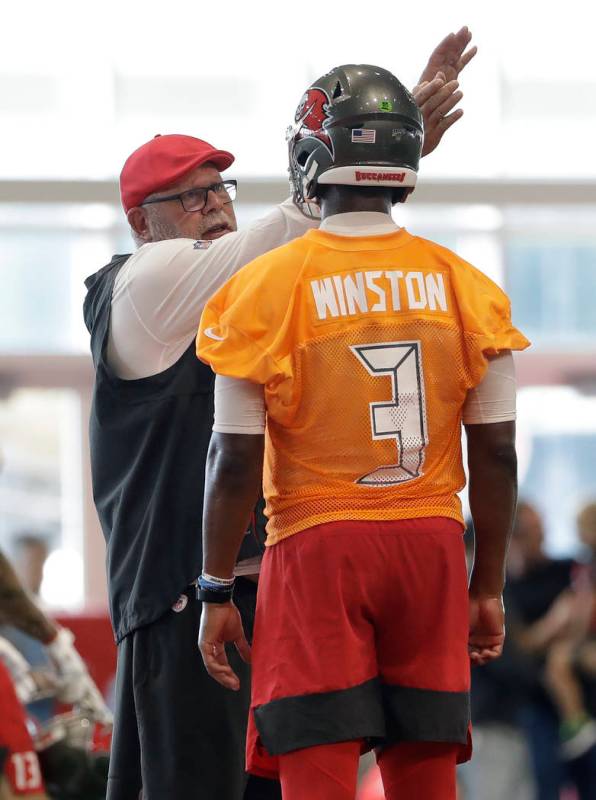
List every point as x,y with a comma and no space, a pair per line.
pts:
21,767
361,632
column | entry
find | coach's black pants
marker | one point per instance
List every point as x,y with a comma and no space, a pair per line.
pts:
178,734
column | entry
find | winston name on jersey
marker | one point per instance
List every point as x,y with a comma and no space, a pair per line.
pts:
378,291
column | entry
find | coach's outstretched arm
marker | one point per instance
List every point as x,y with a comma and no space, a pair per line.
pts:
492,464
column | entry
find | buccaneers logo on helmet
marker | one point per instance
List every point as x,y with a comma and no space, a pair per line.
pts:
310,116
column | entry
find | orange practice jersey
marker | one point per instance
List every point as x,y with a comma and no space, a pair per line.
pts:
367,347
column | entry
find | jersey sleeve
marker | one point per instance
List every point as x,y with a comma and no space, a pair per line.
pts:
485,313
244,327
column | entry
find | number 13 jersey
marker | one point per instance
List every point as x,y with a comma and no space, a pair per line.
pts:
367,347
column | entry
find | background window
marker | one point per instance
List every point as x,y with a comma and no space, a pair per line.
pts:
40,484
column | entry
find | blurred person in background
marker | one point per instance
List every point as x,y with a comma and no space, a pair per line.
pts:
500,767
571,661
56,756
535,585
29,554
24,761
149,432
74,684
72,679
20,770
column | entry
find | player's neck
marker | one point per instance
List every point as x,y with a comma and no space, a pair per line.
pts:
343,200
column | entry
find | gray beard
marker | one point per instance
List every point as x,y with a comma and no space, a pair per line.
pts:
161,230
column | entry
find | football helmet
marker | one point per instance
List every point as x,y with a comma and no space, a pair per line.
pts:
356,126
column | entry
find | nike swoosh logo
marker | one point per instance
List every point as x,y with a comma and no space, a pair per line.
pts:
209,332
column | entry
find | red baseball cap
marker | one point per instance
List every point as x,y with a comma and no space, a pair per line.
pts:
163,161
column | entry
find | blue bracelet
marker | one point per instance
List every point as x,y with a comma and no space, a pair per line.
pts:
218,580
212,586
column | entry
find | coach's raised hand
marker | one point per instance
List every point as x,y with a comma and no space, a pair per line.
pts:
437,91
449,56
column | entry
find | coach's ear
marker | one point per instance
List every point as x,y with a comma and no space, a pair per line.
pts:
139,222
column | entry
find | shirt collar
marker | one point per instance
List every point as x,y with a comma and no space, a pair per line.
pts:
359,223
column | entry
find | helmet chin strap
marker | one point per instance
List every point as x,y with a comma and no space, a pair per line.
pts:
310,209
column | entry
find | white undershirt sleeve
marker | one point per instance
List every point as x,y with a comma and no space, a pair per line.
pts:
239,406
493,400
160,292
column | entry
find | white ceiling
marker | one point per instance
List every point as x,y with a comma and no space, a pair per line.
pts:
82,85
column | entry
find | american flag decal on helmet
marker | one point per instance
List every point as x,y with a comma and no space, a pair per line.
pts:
364,135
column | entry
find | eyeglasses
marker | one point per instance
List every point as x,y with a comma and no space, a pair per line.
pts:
195,199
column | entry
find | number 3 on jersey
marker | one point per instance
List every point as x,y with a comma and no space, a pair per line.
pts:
404,417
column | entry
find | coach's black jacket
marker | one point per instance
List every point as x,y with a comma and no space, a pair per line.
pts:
149,440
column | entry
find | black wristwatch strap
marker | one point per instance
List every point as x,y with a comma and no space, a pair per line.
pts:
212,596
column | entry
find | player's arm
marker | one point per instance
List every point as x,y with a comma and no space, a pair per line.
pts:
17,608
489,418
493,495
492,467
232,486
437,91
233,483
